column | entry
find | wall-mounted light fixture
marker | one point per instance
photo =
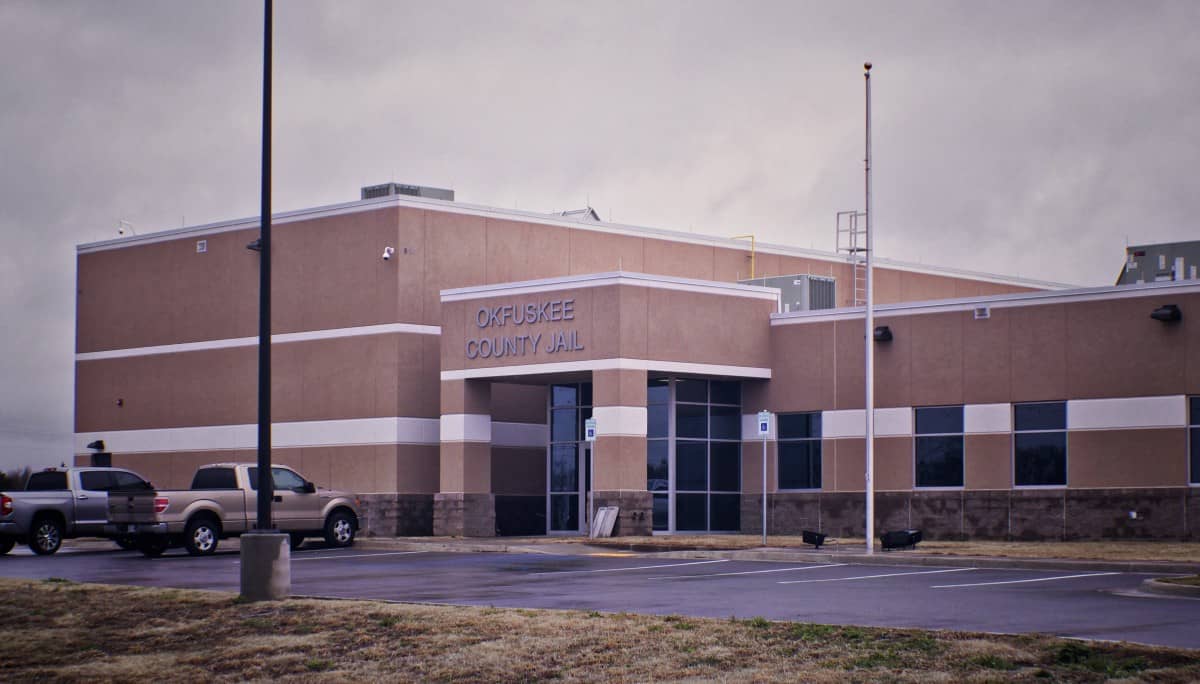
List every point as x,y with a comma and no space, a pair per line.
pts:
1167,313
254,245
98,445
882,333
388,252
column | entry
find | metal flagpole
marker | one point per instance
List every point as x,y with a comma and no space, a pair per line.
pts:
870,336
265,484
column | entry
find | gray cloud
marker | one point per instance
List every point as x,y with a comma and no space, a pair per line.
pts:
1021,138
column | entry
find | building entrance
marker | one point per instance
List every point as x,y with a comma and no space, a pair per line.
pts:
569,462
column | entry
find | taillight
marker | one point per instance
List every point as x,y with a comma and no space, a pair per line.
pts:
5,505
160,504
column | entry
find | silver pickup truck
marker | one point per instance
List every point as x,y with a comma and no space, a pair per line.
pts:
61,504
223,503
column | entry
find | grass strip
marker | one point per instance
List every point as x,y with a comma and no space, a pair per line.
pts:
62,631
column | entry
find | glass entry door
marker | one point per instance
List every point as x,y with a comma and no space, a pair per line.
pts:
570,487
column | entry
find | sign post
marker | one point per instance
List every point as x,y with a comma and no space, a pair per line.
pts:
764,429
589,434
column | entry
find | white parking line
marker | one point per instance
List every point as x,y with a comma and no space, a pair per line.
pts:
640,567
750,572
862,577
1036,579
357,555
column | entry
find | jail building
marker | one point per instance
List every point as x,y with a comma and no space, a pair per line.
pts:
442,359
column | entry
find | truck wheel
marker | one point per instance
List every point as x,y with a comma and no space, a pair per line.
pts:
201,537
339,529
152,545
7,544
295,539
46,536
126,542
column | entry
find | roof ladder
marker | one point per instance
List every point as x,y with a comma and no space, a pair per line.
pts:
852,240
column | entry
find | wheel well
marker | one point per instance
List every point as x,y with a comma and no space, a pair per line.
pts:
52,515
210,517
347,511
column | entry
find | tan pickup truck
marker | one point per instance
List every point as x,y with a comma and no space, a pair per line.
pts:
223,503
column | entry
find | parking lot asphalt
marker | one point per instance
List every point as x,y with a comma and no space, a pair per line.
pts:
1091,604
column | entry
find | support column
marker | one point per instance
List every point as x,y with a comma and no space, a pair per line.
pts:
464,505
619,454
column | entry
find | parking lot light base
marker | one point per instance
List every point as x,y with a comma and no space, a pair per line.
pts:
266,566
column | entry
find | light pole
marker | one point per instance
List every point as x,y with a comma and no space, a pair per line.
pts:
870,334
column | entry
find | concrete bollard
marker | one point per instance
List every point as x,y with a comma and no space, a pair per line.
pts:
266,566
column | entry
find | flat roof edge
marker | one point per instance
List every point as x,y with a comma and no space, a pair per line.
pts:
998,301
545,219
608,278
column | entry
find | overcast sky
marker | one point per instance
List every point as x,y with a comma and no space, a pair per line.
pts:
1024,138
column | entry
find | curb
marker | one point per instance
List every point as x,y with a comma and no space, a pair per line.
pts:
1155,586
800,556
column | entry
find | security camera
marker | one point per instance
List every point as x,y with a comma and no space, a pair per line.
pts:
388,252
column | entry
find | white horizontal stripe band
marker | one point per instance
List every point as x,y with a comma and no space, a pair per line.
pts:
352,432
282,338
466,427
620,421
981,419
1134,412
609,364
608,279
889,422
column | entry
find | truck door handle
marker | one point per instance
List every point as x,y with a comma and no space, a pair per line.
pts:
82,497
278,499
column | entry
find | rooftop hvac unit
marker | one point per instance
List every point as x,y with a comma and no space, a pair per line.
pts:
387,189
801,292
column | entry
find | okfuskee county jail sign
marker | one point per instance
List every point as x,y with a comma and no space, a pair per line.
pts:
496,342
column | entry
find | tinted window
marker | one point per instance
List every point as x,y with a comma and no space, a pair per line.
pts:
725,466
1195,439
691,390
691,420
939,419
220,478
656,420
563,427
725,392
658,392
939,461
657,466
691,466
564,395
45,482
799,425
1040,458
725,422
1195,412
126,481
725,512
564,470
95,480
1041,416
800,464
691,512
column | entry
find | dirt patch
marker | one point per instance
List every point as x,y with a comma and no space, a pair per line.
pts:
59,631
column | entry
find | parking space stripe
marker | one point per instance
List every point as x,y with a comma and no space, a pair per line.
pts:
357,555
1022,581
640,567
750,572
862,577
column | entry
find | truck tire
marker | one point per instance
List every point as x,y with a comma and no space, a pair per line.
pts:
46,536
201,536
126,542
152,545
339,529
7,544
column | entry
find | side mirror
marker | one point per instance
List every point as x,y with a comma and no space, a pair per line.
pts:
309,488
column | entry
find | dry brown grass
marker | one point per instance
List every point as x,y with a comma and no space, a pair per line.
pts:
1080,550
59,631
1191,581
